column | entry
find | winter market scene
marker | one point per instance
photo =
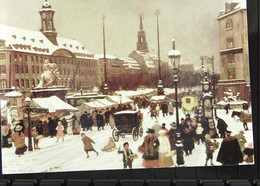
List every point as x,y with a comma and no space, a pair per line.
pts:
104,100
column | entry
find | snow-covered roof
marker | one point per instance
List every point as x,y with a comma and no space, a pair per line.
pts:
53,103
239,5
157,98
13,94
119,99
174,53
147,59
108,56
29,41
130,63
231,102
133,93
126,112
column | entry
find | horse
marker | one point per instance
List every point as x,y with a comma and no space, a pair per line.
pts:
243,117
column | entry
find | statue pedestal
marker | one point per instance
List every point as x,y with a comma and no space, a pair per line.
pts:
59,91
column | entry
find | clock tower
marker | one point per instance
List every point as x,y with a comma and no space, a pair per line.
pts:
47,23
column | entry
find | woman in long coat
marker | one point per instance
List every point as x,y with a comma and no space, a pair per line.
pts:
19,140
164,150
188,138
149,148
75,126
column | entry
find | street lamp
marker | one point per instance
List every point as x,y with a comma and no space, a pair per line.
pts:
160,85
174,63
105,90
27,103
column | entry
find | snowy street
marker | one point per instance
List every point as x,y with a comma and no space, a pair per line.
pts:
69,155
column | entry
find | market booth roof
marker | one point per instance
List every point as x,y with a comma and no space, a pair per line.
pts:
54,104
119,99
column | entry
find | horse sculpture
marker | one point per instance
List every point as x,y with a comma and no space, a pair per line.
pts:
49,76
243,117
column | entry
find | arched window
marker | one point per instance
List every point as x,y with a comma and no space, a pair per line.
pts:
17,84
3,84
16,69
22,69
26,69
229,24
22,82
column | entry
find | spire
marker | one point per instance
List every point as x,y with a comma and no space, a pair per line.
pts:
141,23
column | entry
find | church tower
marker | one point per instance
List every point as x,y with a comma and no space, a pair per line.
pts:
141,43
47,14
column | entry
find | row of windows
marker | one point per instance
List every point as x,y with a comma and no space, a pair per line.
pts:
2,56
24,69
26,83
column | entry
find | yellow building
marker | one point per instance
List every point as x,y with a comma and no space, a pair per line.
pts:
234,60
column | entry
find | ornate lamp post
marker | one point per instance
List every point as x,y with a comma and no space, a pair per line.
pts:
174,63
105,90
27,103
160,85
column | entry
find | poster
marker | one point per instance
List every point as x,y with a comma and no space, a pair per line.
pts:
96,81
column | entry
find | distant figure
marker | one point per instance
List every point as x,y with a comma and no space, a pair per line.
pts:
227,107
60,131
156,127
164,109
88,144
35,139
245,107
170,108
222,127
83,120
199,133
249,153
229,152
100,121
65,125
172,133
75,126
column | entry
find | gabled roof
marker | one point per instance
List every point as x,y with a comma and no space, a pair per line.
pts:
239,5
29,41
130,63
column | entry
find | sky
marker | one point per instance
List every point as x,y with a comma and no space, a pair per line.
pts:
192,23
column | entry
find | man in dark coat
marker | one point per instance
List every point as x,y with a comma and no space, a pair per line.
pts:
100,120
83,120
164,109
52,127
188,138
229,152
227,107
222,127
89,122
107,113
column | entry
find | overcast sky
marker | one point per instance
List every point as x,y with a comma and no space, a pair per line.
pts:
192,23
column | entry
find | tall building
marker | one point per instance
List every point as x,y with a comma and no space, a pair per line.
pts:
23,52
234,60
141,43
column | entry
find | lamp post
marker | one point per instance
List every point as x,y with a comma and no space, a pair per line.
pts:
160,85
105,90
27,103
174,63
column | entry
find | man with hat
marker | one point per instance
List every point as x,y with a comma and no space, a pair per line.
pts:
149,148
222,127
229,152
172,133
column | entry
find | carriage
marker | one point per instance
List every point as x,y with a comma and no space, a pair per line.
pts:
127,123
189,104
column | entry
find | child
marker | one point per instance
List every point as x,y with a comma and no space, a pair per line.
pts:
210,148
199,132
128,156
35,140
88,144
60,133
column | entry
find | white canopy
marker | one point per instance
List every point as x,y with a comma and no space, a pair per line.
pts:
132,93
119,99
13,94
158,98
53,103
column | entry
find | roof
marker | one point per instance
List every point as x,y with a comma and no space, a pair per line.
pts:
29,41
125,112
53,103
119,99
108,56
239,5
13,94
130,63
149,61
158,98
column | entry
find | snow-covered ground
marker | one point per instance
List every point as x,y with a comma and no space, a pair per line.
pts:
70,156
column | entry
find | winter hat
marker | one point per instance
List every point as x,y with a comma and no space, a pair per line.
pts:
173,124
18,128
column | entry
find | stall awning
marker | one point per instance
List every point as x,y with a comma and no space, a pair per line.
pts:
158,98
119,99
54,104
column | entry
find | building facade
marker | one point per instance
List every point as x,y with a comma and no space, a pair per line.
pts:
234,59
23,53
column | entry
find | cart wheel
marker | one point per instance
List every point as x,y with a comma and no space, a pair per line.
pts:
141,131
135,133
115,135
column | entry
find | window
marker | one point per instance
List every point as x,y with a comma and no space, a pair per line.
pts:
27,83
68,71
20,58
32,58
33,83
37,70
16,69
15,57
2,69
22,69
41,59
26,69
231,73
17,83
3,84
65,71
231,58
25,58
37,59
229,24
33,70
230,43
2,56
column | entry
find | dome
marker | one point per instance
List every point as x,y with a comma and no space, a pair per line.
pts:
46,5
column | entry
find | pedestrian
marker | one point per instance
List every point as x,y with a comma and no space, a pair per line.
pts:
199,134
157,109
83,120
227,107
164,109
172,133
39,127
75,126
35,135
52,127
229,152
46,129
65,125
89,122
164,150
170,108
241,140
165,129
222,127
149,149
111,120
100,120
88,144
245,107
188,141
152,112
156,127
6,135
19,140
110,146
107,113
249,153
60,131
210,149
128,156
